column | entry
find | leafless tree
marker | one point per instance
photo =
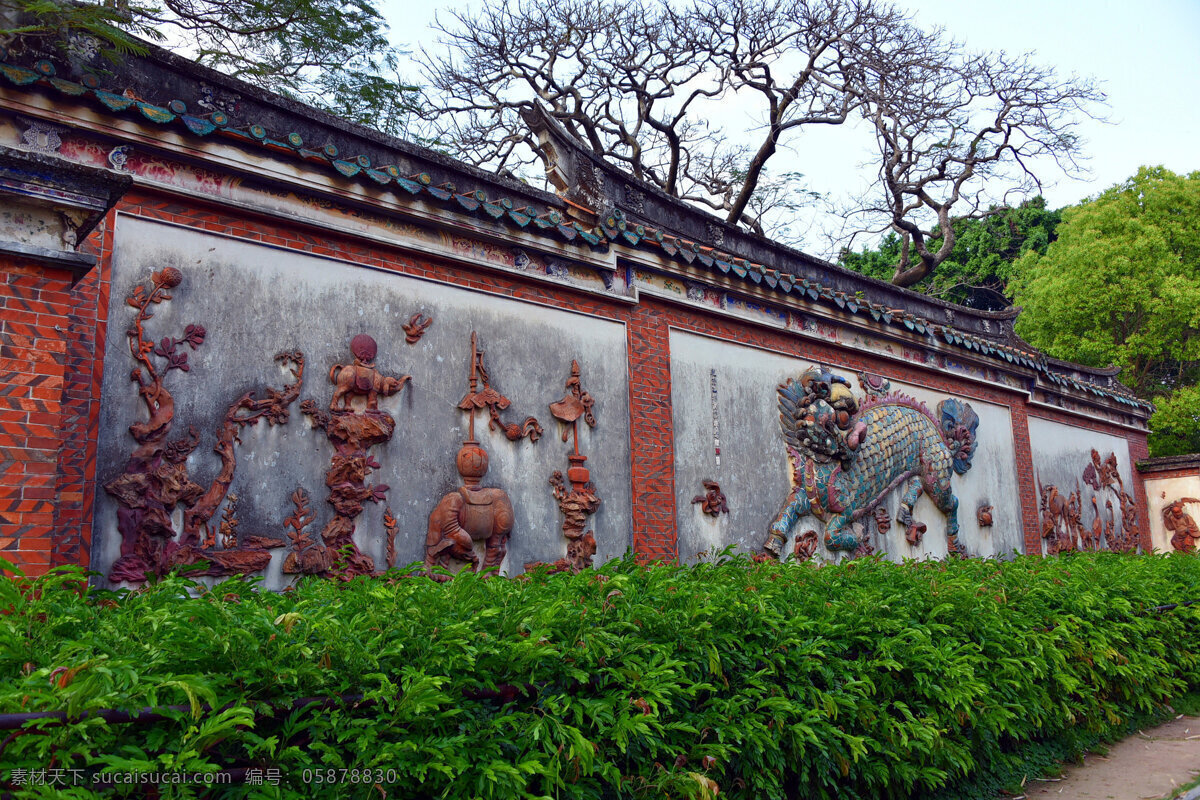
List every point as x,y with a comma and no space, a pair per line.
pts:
641,82
950,127
637,82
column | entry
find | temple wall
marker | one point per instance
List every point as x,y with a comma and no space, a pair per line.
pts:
282,245
1062,455
1173,501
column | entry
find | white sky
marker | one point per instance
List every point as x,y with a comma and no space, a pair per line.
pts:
1144,53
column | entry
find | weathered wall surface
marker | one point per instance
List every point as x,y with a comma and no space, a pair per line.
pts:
291,232
1061,458
255,301
1162,492
736,385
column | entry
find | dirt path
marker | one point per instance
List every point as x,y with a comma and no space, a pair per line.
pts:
1149,765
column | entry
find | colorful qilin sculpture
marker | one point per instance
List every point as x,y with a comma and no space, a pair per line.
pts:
472,512
1179,522
352,432
155,480
847,457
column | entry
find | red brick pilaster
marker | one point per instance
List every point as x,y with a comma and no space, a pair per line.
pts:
652,434
1026,483
35,303
1138,451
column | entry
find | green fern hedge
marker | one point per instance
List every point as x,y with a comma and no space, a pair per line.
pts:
867,679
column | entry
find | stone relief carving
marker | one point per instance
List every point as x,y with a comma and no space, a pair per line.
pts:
579,501
713,501
848,456
416,326
806,545
1179,522
353,433
493,401
1061,514
155,479
1061,522
472,512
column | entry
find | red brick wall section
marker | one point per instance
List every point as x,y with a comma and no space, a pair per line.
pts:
1182,472
35,305
652,435
1026,480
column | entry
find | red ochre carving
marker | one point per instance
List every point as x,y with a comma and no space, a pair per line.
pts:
1061,524
472,512
155,479
415,328
806,545
580,501
361,379
392,527
493,401
1062,516
1181,524
713,501
984,516
352,433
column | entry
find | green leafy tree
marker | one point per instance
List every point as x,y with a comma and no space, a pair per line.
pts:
1121,285
979,267
333,54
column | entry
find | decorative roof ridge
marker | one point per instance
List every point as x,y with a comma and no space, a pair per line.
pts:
615,227
1109,371
1164,463
598,186
324,118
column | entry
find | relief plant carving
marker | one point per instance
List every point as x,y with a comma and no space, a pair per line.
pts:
155,479
577,498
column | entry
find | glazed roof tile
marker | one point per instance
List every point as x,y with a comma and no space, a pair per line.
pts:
615,227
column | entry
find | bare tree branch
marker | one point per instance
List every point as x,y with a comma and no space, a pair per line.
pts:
637,82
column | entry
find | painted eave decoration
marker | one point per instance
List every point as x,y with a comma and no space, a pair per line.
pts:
613,228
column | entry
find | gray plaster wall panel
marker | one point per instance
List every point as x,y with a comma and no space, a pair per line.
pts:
754,472
256,300
1061,453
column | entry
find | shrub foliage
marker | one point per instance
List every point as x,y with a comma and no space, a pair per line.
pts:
867,679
